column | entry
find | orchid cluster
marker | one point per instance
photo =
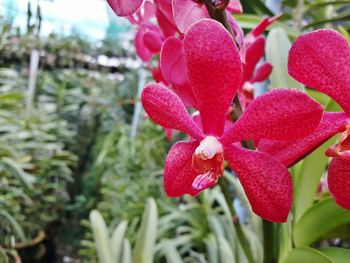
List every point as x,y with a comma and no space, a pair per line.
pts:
205,65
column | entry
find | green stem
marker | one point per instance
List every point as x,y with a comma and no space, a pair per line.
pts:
237,225
269,241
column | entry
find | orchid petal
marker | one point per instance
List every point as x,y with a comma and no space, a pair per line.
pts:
281,114
153,41
142,51
185,93
264,24
178,172
262,73
266,182
172,62
187,12
321,60
166,8
149,10
290,152
254,52
165,108
339,181
342,148
166,26
215,71
124,7
235,6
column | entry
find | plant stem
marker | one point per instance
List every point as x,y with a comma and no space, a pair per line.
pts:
269,239
269,242
237,225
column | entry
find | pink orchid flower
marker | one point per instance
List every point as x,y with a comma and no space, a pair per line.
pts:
321,60
215,73
125,7
187,12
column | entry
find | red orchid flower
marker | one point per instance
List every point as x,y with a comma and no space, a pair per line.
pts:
252,51
215,73
187,12
125,7
321,60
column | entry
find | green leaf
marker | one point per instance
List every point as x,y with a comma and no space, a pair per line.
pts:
305,254
127,254
212,249
285,232
344,32
13,96
276,50
101,237
26,179
338,255
171,253
308,178
145,243
16,227
225,252
319,220
3,257
260,7
117,240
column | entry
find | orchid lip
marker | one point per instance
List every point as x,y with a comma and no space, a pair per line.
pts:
208,148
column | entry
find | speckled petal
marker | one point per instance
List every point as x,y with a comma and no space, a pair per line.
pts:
125,7
235,6
166,108
290,152
266,182
281,114
187,12
321,60
215,71
339,181
178,172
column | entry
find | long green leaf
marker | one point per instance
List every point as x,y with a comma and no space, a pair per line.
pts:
344,32
319,220
171,253
127,254
16,227
308,179
101,237
3,257
212,249
225,252
276,50
117,240
26,179
338,255
145,243
307,255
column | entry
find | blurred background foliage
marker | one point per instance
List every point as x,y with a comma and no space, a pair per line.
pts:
76,187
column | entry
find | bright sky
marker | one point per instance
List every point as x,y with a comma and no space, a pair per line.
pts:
89,17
